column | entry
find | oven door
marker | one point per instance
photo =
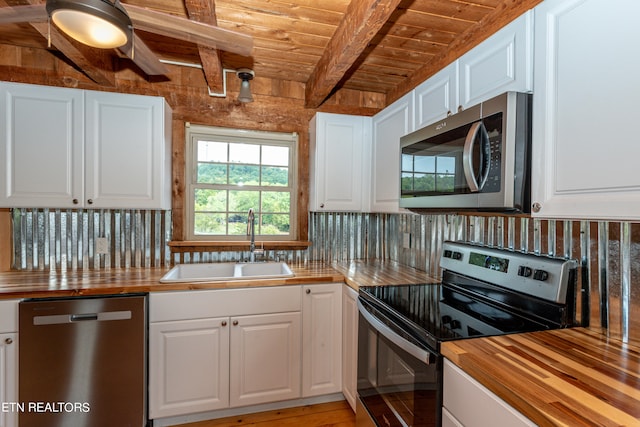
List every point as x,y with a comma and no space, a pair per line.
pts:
399,379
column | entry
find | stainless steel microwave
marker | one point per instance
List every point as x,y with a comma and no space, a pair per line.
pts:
477,159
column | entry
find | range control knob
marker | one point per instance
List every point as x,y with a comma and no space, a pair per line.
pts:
524,271
540,275
455,324
446,319
456,255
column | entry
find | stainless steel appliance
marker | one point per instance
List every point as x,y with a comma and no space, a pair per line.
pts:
82,362
484,291
478,159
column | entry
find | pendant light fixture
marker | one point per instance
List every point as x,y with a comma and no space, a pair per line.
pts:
96,23
245,75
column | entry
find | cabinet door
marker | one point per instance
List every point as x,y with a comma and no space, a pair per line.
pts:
389,125
265,358
504,62
41,146
349,344
337,158
322,339
188,366
127,155
9,379
437,97
583,109
473,405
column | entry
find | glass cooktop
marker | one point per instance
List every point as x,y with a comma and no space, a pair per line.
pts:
433,313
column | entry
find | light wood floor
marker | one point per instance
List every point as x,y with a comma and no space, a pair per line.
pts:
333,414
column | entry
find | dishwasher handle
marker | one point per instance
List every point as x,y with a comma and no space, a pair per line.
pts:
57,319
83,317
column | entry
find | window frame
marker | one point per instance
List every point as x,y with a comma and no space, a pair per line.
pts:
195,133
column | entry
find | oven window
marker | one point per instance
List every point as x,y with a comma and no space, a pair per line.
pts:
396,388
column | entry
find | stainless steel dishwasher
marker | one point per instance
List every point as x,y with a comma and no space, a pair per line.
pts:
82,362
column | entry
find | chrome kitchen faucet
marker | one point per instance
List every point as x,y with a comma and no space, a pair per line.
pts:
251,231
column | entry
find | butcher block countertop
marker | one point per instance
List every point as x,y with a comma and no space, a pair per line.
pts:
566,377
41,284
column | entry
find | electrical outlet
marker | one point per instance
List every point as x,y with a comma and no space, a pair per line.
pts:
102,246
406,240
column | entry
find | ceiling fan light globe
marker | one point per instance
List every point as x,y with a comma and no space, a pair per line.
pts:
89,30
96,23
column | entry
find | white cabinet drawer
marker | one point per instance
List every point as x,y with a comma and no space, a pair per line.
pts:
473,405
9,316
181,305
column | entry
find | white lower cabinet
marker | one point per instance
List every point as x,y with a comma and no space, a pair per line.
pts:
227,348
322,339
349,344
265,358
8,378
182,355
216,349
467,403
8,362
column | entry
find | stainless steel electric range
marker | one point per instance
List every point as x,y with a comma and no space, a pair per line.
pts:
484,291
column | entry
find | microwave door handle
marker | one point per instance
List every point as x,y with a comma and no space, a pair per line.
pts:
467,156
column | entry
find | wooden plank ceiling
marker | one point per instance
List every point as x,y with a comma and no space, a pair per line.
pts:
385,46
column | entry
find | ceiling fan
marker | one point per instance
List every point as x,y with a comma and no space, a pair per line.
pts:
106,24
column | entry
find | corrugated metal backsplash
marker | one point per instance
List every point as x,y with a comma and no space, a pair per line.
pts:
60,239
607,251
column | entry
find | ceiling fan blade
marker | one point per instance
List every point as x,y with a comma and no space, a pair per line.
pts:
191,31
144,58
25,13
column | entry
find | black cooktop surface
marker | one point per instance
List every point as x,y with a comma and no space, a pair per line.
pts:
433,313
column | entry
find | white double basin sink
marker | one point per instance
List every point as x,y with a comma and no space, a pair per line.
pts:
225,271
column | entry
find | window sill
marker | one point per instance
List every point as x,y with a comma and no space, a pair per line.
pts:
224,246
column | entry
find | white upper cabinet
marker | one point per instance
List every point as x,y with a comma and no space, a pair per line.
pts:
437,97
128,151
388,126
69,148
41,146
504,62
338,161
585,91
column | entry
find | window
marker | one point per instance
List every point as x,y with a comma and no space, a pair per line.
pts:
230,171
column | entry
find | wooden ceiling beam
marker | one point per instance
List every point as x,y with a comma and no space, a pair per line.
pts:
205,11
190,31
360,24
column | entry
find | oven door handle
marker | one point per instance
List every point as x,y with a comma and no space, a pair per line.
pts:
421,354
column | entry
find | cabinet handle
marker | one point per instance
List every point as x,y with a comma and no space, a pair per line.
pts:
75,201
235,323
536,207
224,323
308,291
322,205
8,341
90,201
